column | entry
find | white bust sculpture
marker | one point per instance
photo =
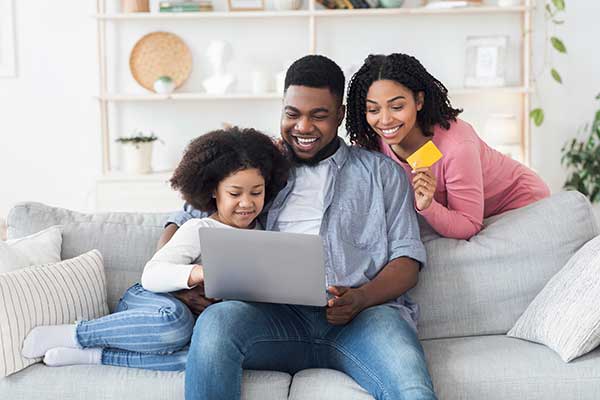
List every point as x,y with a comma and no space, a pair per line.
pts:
220,82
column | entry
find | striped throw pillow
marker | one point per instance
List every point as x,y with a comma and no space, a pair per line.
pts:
51,294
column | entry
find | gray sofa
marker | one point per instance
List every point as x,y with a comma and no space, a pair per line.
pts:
470,292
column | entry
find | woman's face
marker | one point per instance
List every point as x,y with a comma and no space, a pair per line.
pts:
392,110
240,197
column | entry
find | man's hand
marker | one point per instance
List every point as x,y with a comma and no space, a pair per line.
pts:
346,304
194,298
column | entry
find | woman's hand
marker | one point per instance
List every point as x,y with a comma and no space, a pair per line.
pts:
346,304
424,184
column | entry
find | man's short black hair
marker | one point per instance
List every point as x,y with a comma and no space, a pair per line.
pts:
214,156
316,71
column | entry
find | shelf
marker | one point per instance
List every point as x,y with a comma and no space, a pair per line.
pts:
119,176
315,13
188,97
276,96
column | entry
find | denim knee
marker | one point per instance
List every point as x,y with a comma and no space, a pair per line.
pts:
178,325
217,326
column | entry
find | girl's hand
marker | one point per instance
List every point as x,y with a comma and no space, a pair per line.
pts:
424,184
196,276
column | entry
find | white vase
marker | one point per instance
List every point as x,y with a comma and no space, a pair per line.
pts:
286,5
137,158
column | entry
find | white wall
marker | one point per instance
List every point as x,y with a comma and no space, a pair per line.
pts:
49,131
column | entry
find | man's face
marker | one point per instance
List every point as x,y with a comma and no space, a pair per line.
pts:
310,119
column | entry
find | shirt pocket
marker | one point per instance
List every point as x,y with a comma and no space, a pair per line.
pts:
361,228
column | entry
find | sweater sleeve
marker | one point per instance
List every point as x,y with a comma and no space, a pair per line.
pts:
463,217
170,268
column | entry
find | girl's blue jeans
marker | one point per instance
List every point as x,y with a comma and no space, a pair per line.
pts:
148,330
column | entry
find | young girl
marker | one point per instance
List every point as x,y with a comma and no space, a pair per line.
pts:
395,106
231,173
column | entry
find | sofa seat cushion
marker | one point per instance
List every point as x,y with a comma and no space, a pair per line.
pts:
503,368
90,382
326,384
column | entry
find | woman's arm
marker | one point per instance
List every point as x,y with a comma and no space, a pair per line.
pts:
463,217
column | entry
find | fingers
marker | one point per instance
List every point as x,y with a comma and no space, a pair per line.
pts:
337,290
422,178
339,315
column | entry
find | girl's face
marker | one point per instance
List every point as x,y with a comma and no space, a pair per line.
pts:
240,197
392,110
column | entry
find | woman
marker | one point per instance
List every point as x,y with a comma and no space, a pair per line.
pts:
395,106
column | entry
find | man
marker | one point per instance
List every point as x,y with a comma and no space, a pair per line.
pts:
361,204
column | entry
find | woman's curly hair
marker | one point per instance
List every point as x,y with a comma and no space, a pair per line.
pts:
214,156
407,71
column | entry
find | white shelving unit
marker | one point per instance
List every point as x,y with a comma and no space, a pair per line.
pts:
313,17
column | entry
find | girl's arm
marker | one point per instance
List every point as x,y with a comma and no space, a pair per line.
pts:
463,217
172,268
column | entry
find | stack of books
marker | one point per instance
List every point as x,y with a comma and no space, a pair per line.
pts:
185,6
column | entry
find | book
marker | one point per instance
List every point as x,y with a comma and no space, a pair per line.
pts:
330,4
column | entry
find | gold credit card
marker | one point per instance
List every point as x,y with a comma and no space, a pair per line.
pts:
426,156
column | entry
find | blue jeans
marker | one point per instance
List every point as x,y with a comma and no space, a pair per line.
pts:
148,330
378,349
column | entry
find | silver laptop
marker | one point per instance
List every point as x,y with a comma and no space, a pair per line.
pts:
272,267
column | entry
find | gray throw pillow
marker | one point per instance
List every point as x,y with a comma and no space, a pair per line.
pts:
565,315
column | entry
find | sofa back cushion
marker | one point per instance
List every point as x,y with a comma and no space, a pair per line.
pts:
125,240
482,286
474,287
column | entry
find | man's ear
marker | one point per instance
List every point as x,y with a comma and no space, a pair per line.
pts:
420,100
341,114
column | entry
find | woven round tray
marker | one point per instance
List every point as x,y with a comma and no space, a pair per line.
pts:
160,54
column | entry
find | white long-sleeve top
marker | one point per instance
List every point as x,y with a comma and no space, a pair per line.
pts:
170,268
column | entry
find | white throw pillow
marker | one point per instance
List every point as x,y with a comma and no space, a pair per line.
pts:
565,315
53,294
40,248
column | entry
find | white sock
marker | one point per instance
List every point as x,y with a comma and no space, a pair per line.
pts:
43,338
61,356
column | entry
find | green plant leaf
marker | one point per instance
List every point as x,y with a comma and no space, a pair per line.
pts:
559,4
556,75
598,96
549,10
558,44
558,22
537,115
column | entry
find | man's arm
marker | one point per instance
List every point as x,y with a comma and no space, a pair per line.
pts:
166,235
396,278
405,251
177,219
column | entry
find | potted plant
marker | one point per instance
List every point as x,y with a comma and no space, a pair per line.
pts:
582,158
137,152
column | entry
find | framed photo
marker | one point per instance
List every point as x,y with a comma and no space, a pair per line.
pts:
485,63
7,39
246,5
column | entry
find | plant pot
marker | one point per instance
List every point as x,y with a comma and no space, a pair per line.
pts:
137,158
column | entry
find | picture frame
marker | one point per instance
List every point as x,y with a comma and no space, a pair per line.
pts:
485,61
246,5
7,39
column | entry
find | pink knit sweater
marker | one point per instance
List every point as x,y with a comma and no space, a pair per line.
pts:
474,182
